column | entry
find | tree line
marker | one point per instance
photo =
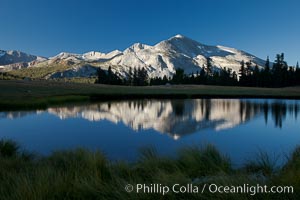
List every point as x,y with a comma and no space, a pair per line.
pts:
135,77
277,75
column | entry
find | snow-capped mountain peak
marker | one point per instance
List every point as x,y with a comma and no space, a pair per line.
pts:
92,55
12,60
179,36
136,47
64,55
161,59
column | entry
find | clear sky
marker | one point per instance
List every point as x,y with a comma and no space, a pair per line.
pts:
47,27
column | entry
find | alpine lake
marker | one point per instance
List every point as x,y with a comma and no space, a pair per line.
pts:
239,128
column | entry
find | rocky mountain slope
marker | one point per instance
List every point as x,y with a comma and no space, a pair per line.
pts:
159,60
11,60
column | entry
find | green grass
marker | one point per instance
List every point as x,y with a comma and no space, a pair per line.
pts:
264,163
30,94
83,174
38,72
83,80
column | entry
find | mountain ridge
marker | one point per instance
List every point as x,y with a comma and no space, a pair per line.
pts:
161,59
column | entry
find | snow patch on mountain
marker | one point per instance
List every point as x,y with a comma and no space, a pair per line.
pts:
178,36
228,49
98,56
66,56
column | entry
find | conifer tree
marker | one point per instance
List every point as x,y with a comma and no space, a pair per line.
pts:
130,77
178,77
242,74
266,75
208,68
297,74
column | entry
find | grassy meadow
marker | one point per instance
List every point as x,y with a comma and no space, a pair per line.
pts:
22,94
83,174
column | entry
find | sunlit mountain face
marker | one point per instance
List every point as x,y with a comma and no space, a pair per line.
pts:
159,60
176,118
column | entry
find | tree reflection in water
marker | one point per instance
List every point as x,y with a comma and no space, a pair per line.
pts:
176,117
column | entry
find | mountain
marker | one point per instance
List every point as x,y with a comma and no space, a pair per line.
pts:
11,60
181,52
159,60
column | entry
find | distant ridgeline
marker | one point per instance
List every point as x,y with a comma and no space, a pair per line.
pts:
177,60
279,75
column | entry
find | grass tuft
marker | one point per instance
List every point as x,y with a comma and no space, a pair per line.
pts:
84,174
203,161
264,164
8,148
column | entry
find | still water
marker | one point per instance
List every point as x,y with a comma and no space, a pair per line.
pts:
239,128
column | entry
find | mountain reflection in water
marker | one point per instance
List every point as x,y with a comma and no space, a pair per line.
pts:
176,118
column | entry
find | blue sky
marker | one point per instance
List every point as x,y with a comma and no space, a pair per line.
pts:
47,27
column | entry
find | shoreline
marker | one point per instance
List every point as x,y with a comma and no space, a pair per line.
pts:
16,95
